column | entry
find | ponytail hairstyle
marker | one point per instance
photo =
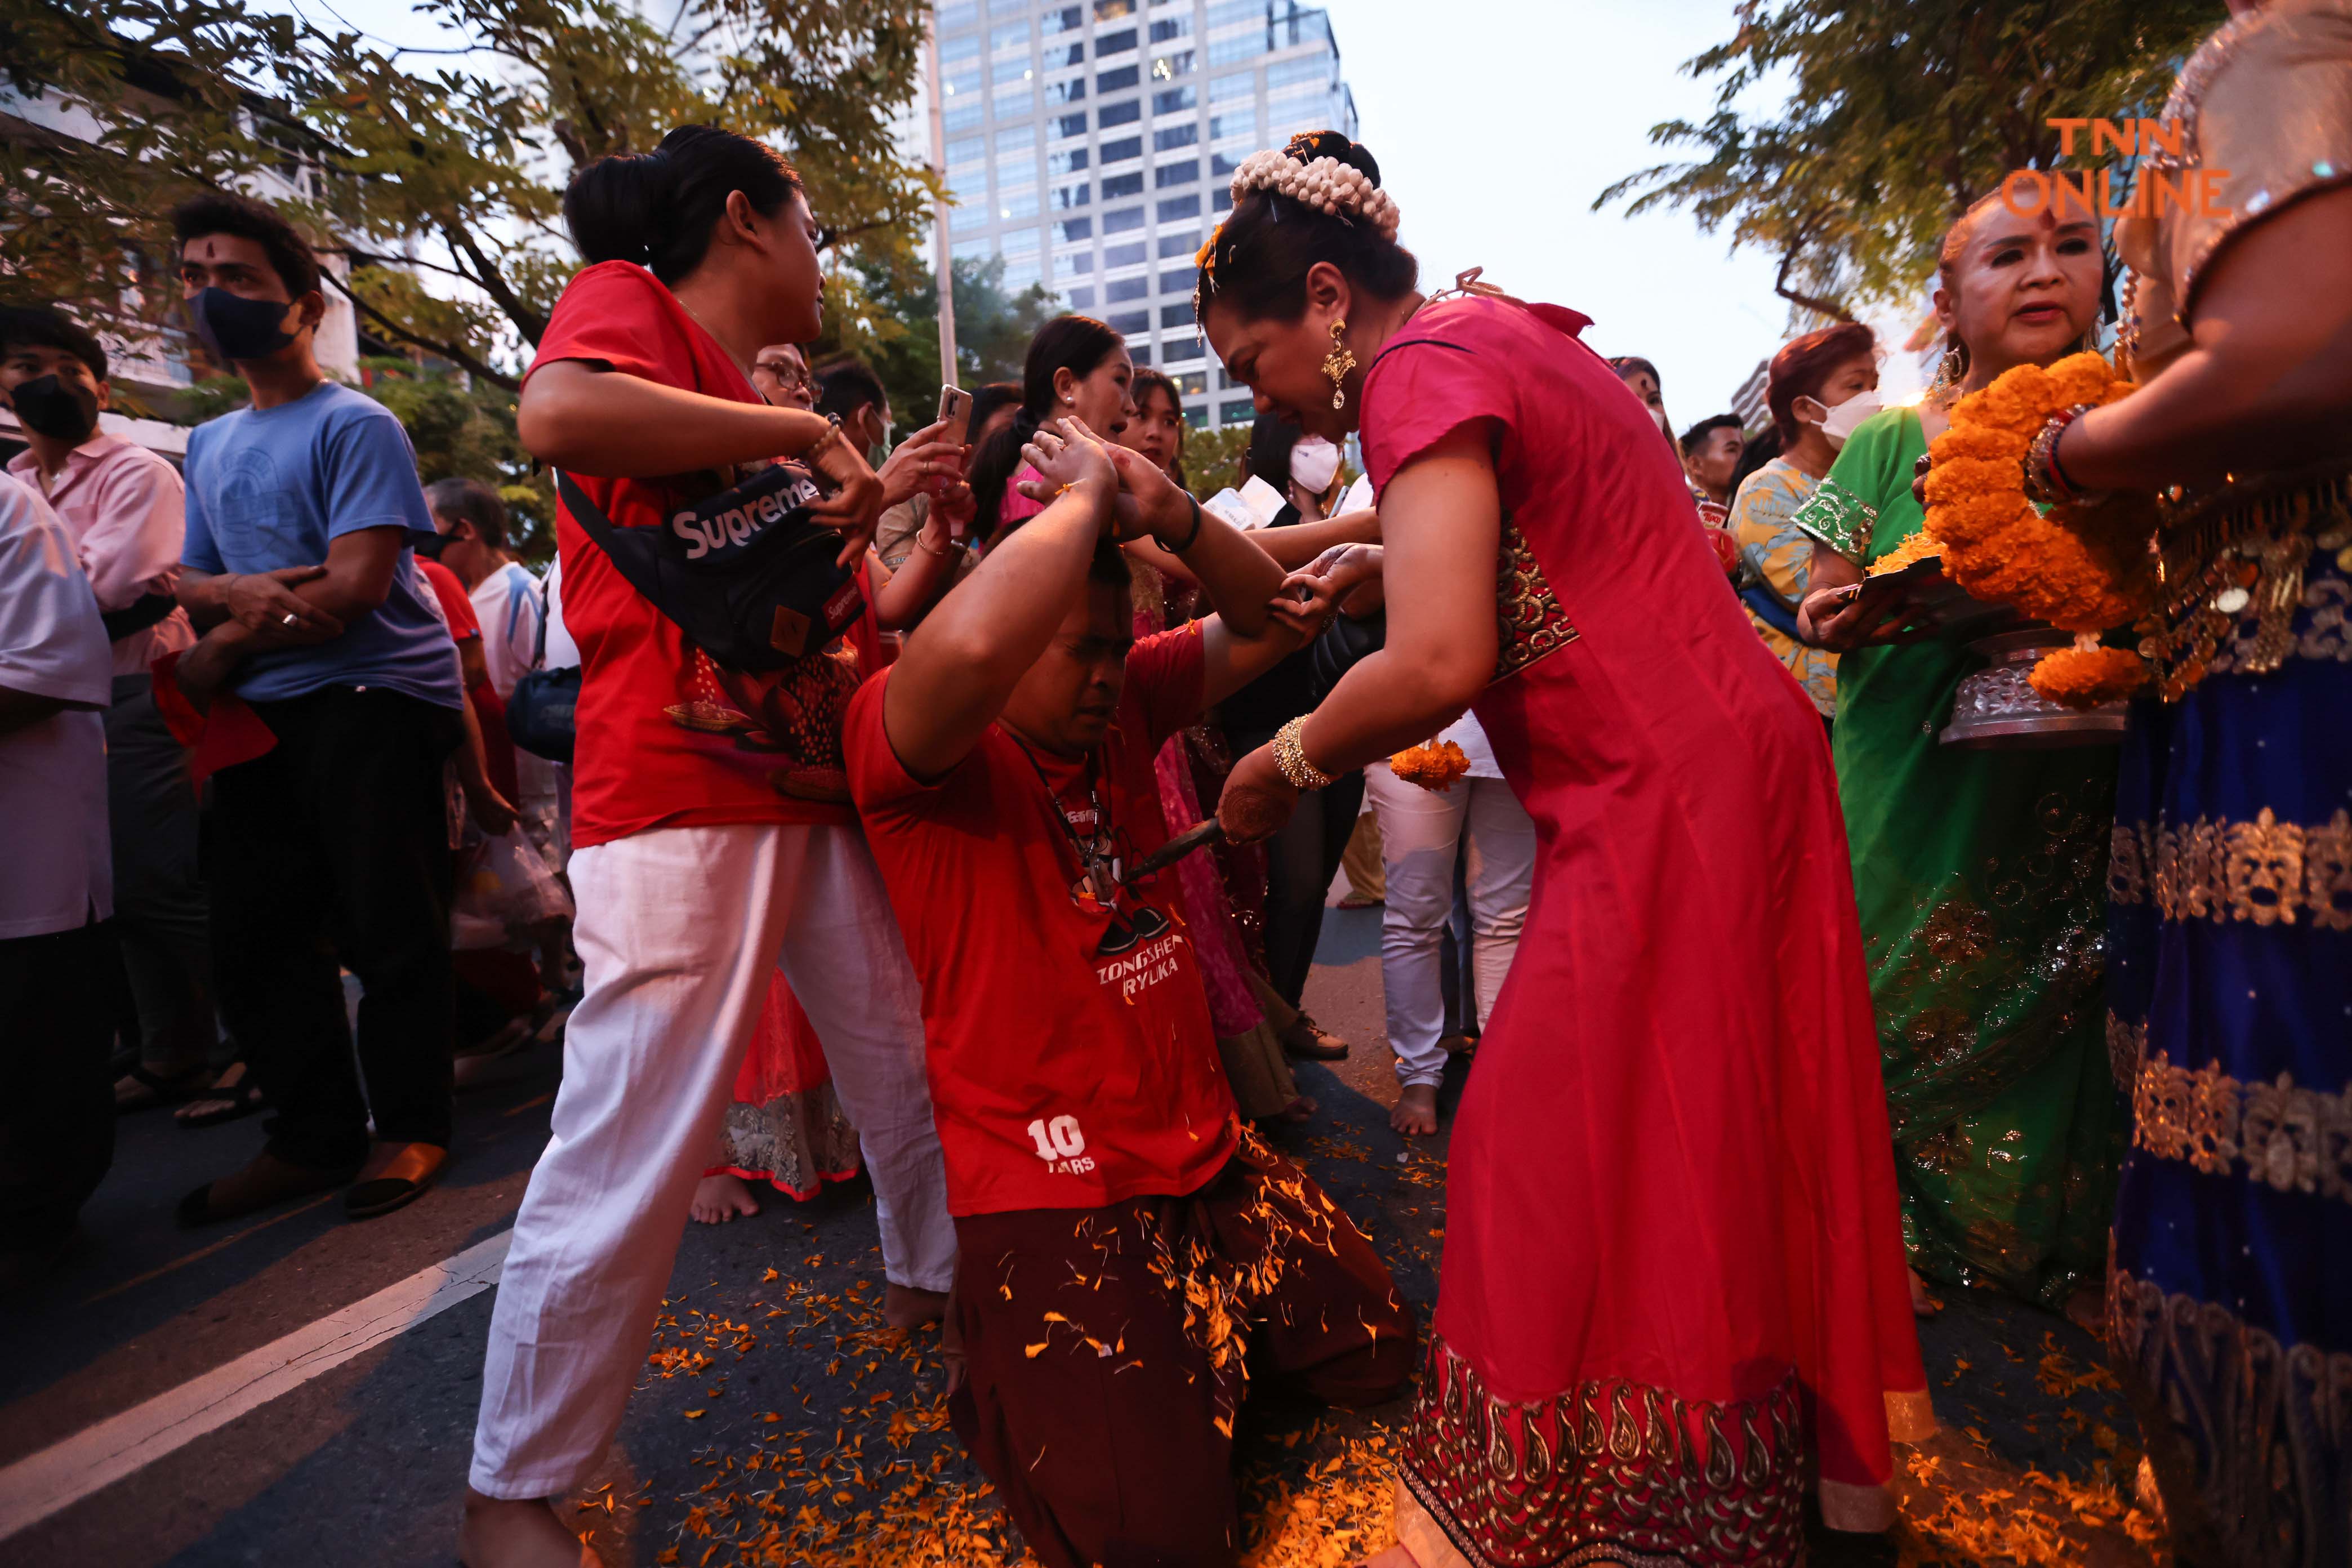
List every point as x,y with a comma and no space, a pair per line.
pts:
1328,207
1079,344
657,208
1149,381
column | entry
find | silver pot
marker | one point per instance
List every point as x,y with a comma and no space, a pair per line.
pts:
1995,708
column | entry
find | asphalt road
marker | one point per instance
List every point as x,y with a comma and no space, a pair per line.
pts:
777,1421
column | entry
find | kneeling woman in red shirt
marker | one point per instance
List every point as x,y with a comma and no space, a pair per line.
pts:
713,837
1122,1240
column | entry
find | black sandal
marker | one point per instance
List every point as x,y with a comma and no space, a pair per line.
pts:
225,1101
139,1090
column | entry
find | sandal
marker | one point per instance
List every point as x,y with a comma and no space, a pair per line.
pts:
139,1090
233,1095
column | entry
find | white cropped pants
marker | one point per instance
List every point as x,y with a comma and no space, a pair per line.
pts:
1421,833
678,930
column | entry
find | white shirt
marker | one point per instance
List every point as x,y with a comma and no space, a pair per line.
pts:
507,603
60,873
562,653
126,511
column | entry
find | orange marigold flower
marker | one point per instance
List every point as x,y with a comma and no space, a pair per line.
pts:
1432,764
2088,678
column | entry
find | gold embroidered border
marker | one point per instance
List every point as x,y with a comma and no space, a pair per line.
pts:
2266,872
1613,1469
1530,623
1839,518
2127,1049
2295,1140
2247,1436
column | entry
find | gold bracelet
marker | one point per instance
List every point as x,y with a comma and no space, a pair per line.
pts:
1290,757
815,451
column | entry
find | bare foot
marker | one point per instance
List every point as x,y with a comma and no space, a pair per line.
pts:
2086,1309
720,1198
1394,1557
904,1307
1416,1115
1923,1305
502,1532
1297,1112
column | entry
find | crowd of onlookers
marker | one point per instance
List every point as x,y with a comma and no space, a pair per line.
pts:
322,875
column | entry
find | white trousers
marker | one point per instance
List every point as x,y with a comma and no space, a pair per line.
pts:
678,931
1421,832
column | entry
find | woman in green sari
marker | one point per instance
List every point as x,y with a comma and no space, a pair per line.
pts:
1980,876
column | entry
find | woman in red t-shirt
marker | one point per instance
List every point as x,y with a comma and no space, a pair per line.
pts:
713,838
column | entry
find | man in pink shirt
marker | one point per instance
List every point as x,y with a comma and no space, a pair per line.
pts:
124,507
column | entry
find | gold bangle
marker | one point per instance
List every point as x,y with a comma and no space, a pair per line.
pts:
1290,757
814,450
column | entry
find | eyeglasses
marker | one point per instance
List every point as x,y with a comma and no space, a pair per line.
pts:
788,375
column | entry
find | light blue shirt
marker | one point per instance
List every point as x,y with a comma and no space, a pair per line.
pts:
269,488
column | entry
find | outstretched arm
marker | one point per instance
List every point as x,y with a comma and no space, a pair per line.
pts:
2268,384
958,671
1441,524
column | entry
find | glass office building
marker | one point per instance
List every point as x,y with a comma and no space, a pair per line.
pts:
1090,144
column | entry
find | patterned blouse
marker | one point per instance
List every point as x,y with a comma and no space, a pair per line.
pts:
1778,556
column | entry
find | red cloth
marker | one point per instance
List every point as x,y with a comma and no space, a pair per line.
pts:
665,738
456,607
224,735
489,708
1672,1167
1062,1076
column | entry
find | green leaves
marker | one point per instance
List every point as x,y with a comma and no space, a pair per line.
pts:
438,176
1898,114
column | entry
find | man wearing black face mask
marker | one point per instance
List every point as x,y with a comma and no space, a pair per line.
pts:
122,506
302,513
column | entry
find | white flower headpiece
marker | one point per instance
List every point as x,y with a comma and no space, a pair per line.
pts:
1327,185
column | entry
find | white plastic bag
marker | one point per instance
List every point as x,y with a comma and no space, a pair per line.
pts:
504,889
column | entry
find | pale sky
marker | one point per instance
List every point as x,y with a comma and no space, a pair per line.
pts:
1497,122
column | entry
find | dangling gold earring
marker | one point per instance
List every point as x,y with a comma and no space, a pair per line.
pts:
1339,362
1949,370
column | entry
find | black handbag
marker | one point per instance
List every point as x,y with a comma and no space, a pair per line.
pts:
540,709
743,573
1344,644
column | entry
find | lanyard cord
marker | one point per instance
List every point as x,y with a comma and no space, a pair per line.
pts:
1088,860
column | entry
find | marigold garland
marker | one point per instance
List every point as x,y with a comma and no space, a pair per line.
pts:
1921,546
1432,764
2081,568
2088,676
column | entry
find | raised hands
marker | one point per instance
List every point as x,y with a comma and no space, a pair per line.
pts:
923,461
1069,457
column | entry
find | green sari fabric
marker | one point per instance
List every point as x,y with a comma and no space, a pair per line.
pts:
1981,882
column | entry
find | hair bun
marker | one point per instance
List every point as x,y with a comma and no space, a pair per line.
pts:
1310,145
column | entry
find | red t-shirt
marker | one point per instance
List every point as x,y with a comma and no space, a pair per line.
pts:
1072,1060
665,738
456,607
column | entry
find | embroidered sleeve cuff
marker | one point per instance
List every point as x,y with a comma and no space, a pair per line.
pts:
1839,518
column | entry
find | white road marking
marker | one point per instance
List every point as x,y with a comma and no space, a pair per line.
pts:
62,1474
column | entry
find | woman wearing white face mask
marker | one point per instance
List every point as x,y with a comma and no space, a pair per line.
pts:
1821,386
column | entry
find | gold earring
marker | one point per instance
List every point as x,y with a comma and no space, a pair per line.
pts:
1339,362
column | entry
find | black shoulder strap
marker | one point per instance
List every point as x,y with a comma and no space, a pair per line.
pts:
591,517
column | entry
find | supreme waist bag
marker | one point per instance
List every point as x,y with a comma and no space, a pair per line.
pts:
744,574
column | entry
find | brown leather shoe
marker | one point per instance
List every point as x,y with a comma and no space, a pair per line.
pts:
387,1184
1308,1038
264,1181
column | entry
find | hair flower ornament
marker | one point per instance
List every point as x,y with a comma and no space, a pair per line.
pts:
1330,187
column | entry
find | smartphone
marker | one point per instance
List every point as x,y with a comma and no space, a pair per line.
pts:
955,413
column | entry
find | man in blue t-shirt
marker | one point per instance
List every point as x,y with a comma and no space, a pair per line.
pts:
303,512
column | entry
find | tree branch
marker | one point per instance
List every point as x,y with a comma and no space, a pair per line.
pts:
456,355
528,321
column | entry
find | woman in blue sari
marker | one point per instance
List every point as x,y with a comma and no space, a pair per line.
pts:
2230,964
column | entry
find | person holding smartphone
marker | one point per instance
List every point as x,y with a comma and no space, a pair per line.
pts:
713,842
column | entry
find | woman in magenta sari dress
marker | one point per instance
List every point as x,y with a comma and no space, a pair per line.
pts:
1673,1295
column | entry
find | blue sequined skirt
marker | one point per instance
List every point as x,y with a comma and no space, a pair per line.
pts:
2230,985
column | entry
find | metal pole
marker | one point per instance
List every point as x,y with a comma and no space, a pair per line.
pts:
942,264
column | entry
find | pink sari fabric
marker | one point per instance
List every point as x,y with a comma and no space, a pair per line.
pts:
1672,1288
